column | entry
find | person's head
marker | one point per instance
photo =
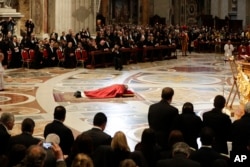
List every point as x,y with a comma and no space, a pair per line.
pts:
53,138
82,160
128,163
100,120
119,141
60,113
82,144
70,44
28,125
174,137
181,148
206,136
219,102
247,108
35,156
148,137
16,154
187,108
167,93
8,120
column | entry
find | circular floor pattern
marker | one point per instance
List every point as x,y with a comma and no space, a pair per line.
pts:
177,78
15,98
20,110
94,76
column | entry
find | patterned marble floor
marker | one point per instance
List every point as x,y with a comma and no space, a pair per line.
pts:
197,78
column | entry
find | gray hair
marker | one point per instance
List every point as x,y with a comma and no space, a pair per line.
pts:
181,147
6,117
247,108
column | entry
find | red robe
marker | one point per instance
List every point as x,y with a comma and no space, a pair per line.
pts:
115,90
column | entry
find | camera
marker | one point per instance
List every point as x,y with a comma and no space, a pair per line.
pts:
47,145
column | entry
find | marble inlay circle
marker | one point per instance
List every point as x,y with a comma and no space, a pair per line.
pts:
15,98
4,99
21,110
178,78
93,76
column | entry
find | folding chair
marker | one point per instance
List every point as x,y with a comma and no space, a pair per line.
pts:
25,58
79,57
60,57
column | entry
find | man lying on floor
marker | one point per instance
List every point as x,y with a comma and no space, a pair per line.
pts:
116,90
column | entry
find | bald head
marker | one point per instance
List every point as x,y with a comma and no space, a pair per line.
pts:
35,156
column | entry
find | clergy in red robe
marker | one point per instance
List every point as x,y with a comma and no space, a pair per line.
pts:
116,90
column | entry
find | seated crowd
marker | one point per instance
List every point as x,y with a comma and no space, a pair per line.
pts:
170,140
119,44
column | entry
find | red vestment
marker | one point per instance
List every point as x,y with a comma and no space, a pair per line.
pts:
116,90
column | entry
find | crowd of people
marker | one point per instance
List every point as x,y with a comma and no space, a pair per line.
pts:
170,139
111,38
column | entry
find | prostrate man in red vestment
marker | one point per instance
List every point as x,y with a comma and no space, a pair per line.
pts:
115,90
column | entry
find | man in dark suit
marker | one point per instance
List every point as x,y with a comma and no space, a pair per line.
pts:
161,116
57,127
241,132
180,153
206,155
16,58
7,121
52,59
220,123
29,27
25,138
99,137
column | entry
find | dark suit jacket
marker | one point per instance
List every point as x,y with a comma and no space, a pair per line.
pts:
65,134
190,125
99,137
52,56
241,133
25,139
4,139
160,119
206,156
177,161
221,125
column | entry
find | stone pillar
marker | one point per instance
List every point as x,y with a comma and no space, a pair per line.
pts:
5,13
145,10
62,15
39,16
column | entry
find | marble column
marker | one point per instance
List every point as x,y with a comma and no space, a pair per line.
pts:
62,15
145,10
39,16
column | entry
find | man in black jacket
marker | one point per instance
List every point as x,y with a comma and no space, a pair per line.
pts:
220,123
99,137
25,138
206,155
181,152
161,116
241,131
7,121
57,127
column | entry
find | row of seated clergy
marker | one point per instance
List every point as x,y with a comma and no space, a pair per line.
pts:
141,54
47,58
70,57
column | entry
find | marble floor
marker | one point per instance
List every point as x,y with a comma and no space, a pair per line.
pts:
197,78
